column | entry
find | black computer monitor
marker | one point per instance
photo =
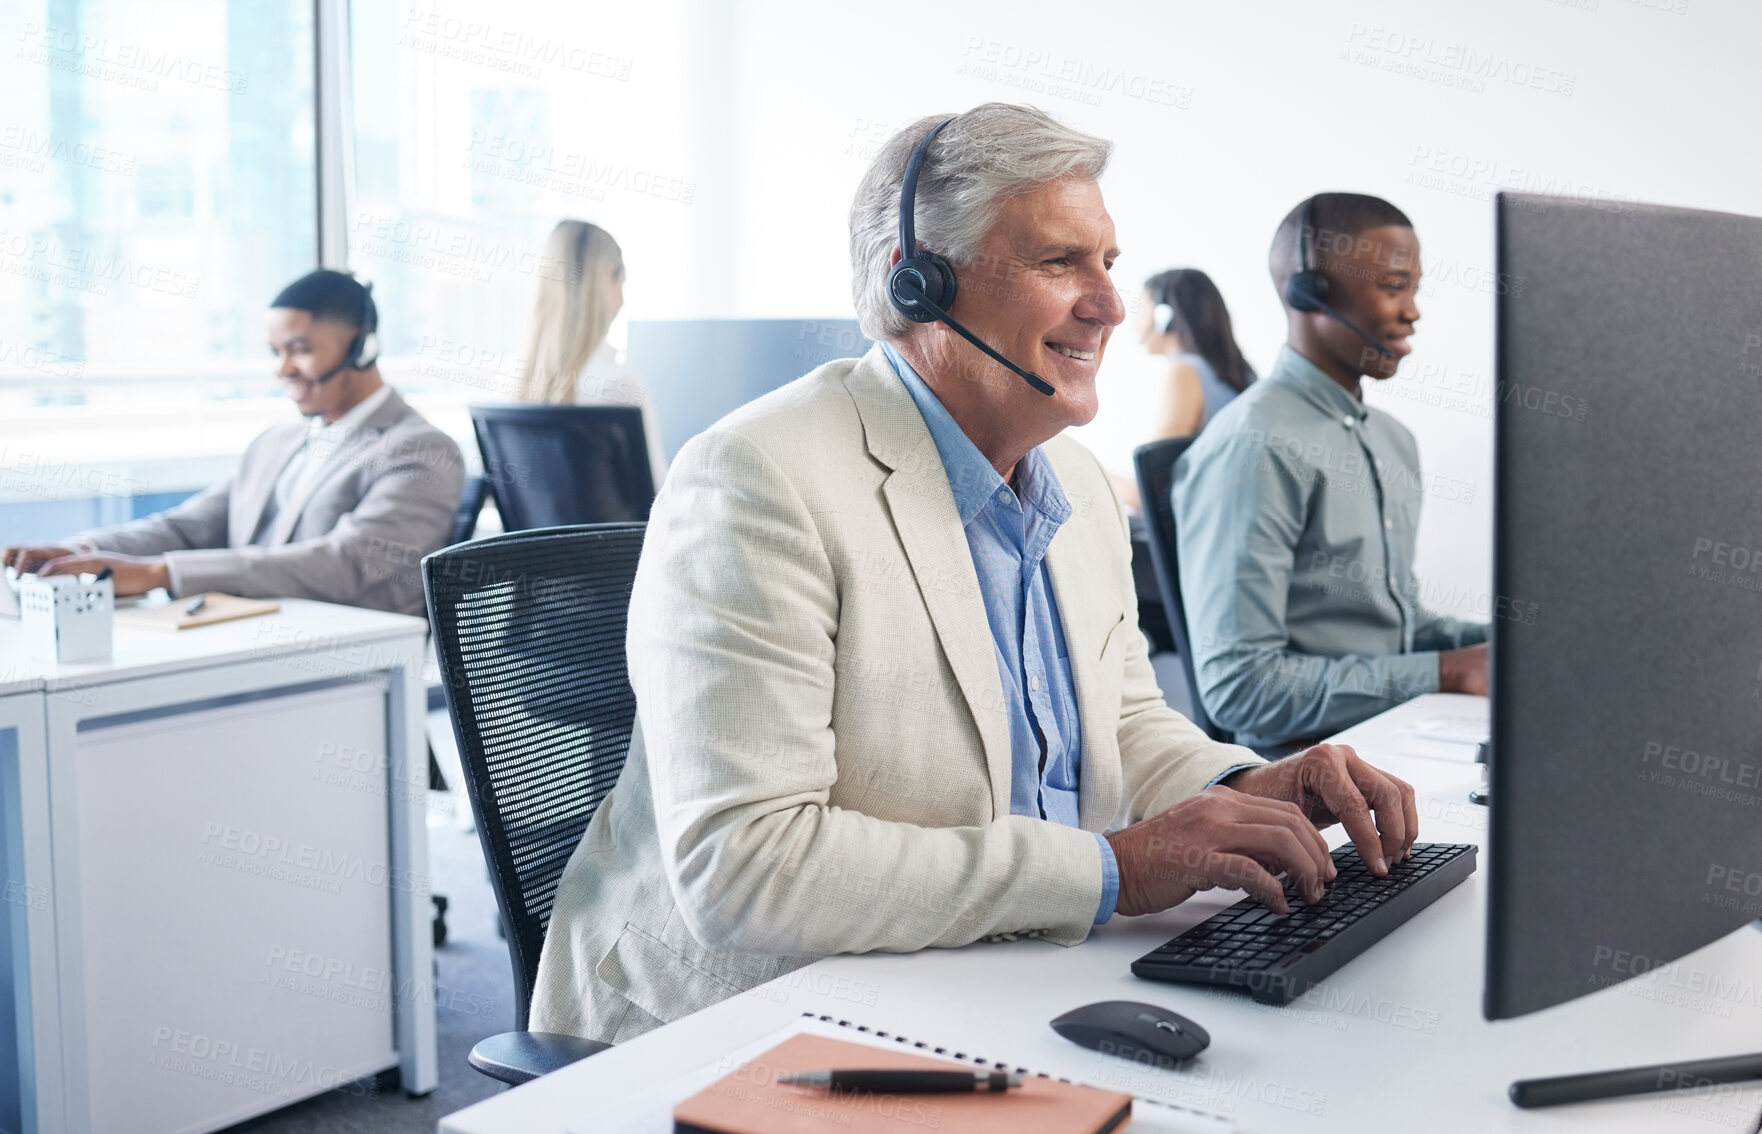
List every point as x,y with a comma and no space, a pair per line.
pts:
1626,825
549,466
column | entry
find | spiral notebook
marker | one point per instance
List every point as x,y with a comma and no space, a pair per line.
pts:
653,1113
750,1100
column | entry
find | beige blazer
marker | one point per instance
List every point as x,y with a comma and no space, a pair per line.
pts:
822,760
387,497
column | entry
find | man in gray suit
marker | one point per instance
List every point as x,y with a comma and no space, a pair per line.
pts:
341,507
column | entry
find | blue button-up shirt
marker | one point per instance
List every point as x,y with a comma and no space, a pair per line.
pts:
1008,532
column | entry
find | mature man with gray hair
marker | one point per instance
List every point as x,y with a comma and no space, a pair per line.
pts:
890,686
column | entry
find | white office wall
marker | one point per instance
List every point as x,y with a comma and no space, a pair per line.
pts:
1228,113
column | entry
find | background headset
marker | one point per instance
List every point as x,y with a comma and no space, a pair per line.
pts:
364,347
922,285
1307,289
1163,311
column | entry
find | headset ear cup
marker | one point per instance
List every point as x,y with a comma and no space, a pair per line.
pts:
366,351
942,288
1306,290
935,278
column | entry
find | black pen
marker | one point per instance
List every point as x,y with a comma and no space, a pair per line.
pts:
102,575
905,1082
1636,1081
199,602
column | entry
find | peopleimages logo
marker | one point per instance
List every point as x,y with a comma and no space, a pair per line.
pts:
65,48
1052,72
514,158
33,145
508,49
93,268
243,848
1452,64
259,1069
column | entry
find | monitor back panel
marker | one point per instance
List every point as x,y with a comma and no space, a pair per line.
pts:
1626,825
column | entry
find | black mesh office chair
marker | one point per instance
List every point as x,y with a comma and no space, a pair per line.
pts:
529,632
554,465
470,507
464,524
1155,465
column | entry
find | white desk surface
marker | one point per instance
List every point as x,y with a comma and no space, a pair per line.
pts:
1392,1041
301,626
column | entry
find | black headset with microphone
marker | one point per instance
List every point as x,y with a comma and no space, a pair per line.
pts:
1307,289
922,285
364,347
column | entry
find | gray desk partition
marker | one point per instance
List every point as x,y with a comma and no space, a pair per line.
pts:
698,370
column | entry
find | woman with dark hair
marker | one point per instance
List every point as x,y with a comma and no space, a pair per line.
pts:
1183,316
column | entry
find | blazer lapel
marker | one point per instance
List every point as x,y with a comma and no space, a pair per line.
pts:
1079,589
254,490
347,452
923,510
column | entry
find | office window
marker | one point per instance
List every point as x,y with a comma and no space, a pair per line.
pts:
476,129
157,187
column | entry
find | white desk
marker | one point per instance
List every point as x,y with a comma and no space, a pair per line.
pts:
217,899
1393,1041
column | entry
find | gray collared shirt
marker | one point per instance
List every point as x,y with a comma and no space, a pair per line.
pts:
1298,512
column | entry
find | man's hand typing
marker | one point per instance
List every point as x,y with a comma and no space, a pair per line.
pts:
1330,784
1263,820
1220,837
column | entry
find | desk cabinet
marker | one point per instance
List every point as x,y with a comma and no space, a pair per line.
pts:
219,848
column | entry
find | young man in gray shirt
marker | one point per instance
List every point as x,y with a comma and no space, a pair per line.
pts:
1298,506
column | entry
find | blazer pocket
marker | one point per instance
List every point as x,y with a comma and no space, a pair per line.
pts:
671,975
641,968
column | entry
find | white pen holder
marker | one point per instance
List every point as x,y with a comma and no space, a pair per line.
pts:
67,620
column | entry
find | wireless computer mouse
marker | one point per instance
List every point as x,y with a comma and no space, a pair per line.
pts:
1142,1033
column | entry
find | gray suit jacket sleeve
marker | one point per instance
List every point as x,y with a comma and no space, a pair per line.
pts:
198,522
404,513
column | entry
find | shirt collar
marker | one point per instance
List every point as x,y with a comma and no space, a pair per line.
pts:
970,475
1317,388
352,421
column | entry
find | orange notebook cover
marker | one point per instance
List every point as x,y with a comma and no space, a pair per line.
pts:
216,607
750,1101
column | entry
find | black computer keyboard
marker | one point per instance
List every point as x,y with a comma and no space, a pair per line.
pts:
1278,958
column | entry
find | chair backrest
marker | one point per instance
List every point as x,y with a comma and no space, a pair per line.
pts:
529,634
1155,465
470,507
553,465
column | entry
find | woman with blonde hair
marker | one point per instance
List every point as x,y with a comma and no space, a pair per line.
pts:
568,360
